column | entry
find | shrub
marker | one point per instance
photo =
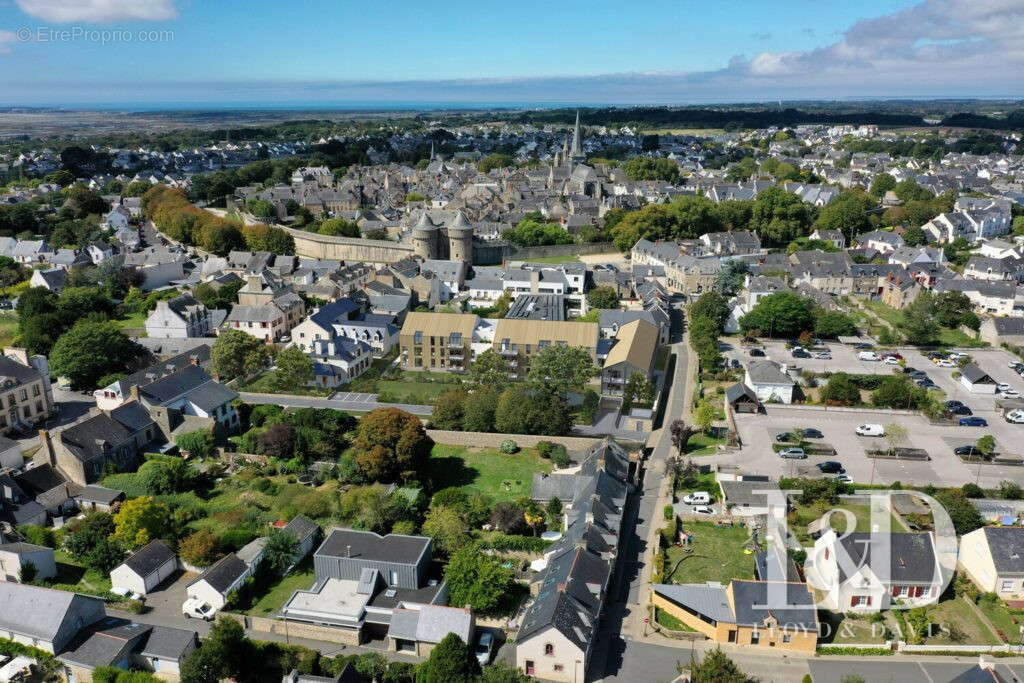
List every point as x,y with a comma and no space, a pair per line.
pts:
508,446
669,513
504,542
544,449
560,457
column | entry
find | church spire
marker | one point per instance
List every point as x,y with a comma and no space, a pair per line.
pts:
577,141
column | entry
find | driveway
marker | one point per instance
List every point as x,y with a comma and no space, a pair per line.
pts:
163,606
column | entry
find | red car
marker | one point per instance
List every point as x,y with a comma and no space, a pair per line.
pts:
892,354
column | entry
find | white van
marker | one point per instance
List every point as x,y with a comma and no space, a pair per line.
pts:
868,355
697,498
870,430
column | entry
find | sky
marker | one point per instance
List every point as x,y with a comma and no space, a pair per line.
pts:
221,53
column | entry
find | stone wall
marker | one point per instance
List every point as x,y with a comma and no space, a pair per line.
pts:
294,629
485,439
313,245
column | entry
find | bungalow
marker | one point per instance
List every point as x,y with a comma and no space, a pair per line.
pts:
15,557
769,381
222,578
993,558
977,380
52,279
45,618
306,533
881,241
417,628
769,614
144,570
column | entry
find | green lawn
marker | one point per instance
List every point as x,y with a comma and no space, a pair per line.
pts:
958,612
73,575
8,329
717,555
264,384
301,578
406,391
485,470
841,630
703,482
947,336
702,444
801,515
1006,620
669,621
137,321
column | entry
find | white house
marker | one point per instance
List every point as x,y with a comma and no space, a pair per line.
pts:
339,361
180,318
769,381
226,575
144,570
977,380
15,556
868,572
993,558
117,218
52,279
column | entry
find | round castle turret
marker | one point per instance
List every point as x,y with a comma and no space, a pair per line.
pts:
424,237
460,239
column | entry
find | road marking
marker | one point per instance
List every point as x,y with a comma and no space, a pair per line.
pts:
925,672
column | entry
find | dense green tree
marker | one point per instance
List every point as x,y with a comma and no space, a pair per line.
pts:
237,354
908,190
531,233
280,552
390,444
165,475
712,305
478,580
950,308
490,369
74,355
919,325
11,272
649,168
731,277
225,653
898,392
832,324
449,410
479,410
448,529
783,314
880,184
780,216
197,443
293,370
268,238
603,297
340,227
840,390
450,661
560,369
716,667
846,213
493,161
686,216
914,236
961,511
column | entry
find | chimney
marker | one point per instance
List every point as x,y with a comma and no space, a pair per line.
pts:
133,393
45,454
253,283
194,360
534,281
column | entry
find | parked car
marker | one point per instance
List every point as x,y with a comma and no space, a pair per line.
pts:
1009,393
821,355
943,363
733,363
927,384
794,453
908,370
1002,386
757,353
812,433
703,510
974,421
863,346
194,607
889,360
800,353
697,498
967,450
783,437
748,340
960,410
870,430
844,478
953,404
893,354
831,467
484,648
1015,416
868,355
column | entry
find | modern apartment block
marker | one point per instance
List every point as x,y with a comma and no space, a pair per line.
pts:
437,341
517,339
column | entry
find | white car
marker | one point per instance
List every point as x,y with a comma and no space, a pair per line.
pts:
194,607
1009,393
1015,416
703,510
868,355
484,648
1002,386
944,363
891,360
870,430
697,498
844,478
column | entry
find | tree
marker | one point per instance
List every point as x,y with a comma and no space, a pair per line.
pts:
987,445
1010,490
390,444
293,369
446,526
237,354
225,653
493,161
783,314
880,184
28,573
75,354
503,672
961,511
716,667
531,233
639,390
520,410
681,433
478,580
840,391
141,520
779,216
11,272
197,443
603,297
490,370
898,392
339,227
278,441
732,275
914,236
950,308
832,324
560,369
199,548
705,415
449,409
711,305
479,410
508,518
280,552
449,662
686,216
895,435
846,213
919,323
649,168
165,475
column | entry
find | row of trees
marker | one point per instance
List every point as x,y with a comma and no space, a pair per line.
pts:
175,216
785,314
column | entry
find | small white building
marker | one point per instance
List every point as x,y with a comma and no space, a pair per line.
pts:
10,454
769,381
993,558
144,570
977,380
15,556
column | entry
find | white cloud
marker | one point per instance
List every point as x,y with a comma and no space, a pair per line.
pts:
99,11
6,38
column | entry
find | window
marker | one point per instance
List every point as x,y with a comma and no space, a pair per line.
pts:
787,638
417,338
27,410
755,638
558,667
529,667
39,406
549,649
35,389
23,394
1006,585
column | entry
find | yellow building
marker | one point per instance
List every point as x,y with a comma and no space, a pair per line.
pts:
518,339
437,341
742,613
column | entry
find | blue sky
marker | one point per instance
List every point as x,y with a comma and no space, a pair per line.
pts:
659,51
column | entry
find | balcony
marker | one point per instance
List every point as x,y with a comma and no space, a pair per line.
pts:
508,351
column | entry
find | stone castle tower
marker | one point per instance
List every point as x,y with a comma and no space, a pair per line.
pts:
453,240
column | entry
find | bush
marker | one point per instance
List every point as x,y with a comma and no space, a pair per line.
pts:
669,513
508,446
544,449
505,542
561,458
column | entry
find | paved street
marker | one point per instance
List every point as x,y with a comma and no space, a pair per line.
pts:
357,402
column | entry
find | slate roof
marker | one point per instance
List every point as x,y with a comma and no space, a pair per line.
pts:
106,643
430,623
149,558
743,492
709,600
35,611
167,643
750,598
1006,545
98,494
767,372
10,368
911,556
973,374
368,545
223,573
301,527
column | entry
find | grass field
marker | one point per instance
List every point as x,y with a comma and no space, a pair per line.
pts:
802,515
958,612
301,578
947,336
840,630
8,329
669,621
405,391
717,555
71,574
702,444
264,384
1006,620
485,470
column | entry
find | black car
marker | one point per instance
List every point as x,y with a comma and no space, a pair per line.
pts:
831,467
783,437
907,370
812,433
756,353
927,384
960,410
801,354
966,450
953,404
863,347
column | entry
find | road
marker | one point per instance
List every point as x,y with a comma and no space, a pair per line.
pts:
356,402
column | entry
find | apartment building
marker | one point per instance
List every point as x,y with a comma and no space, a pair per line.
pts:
518,339
437,341
26,396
